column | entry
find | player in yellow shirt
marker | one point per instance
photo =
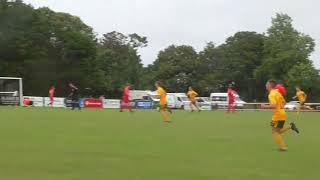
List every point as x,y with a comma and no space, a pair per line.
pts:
162,94
192,97
302,97
276,103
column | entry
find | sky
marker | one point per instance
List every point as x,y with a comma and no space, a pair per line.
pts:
189,22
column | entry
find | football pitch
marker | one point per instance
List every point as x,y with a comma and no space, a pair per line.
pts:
60,144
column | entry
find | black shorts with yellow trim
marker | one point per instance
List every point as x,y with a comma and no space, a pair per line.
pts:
278,124
163,106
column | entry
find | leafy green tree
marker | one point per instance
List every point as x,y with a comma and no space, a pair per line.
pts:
210,76
305,76
44,47
67,46
175,67
233,61
15,20
244,55
284,48
119,62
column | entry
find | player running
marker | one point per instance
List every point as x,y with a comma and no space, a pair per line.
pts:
231,100
51,95
192,97
74,97
302,97
277,102
162,94
125,103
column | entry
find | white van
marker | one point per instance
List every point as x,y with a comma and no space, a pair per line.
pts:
180,100
138,94
221,100
203,102
175,100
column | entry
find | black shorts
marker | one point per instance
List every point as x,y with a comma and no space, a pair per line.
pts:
278,124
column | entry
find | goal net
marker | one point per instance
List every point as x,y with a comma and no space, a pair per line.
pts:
11,91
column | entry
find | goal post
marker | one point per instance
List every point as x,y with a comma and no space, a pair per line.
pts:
11,91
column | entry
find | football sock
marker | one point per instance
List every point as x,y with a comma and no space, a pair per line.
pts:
279,140
165,116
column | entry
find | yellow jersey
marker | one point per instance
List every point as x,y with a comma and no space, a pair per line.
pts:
162,95
275,98
301,96
192,95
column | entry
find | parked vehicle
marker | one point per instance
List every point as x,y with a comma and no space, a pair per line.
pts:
292,105
220,100
175,100
138,94
203,101
178,99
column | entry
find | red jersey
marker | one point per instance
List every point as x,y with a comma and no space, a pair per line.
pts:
281,89
125,97
126,91
51,92
231,94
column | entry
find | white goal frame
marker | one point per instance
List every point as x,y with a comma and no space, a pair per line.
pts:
20,87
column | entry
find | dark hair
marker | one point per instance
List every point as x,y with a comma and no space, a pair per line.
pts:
272,82
159,83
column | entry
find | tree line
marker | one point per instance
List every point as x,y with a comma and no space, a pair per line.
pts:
52,48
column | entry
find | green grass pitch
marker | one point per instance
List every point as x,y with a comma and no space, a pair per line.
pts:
60,144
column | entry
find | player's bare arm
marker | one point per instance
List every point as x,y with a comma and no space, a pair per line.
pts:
268,106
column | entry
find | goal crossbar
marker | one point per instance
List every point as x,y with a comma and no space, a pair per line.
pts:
11,78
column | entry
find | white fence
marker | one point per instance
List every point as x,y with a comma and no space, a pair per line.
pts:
37,101
59,102
111,103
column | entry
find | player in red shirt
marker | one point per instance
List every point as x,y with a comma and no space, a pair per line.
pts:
231,99
51,95
125,99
